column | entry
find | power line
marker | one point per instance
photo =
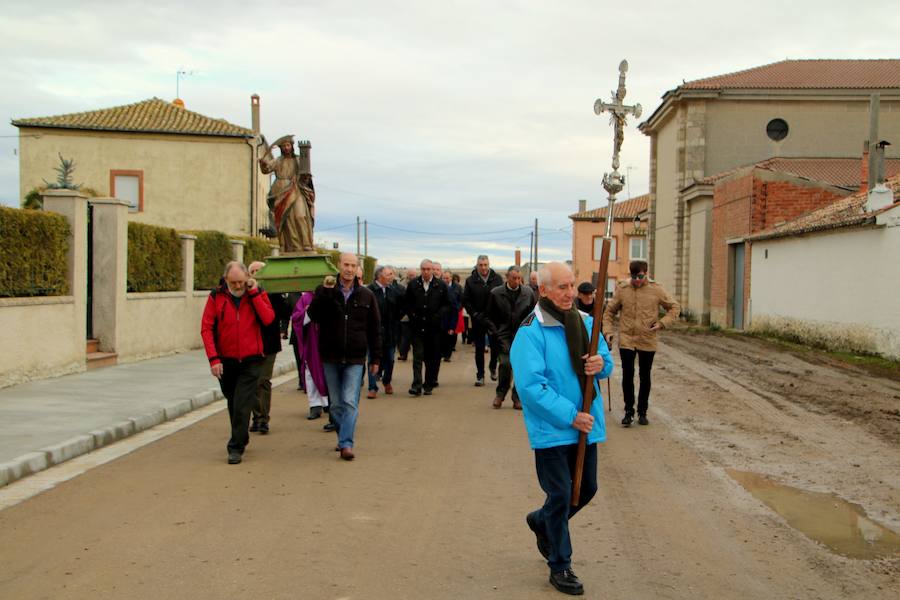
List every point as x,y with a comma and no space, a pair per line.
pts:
450,233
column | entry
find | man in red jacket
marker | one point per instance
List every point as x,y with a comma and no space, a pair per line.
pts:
230,329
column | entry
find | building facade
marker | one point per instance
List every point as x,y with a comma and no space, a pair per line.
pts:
175,167
792,109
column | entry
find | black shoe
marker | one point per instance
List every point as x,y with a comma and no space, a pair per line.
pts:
628,420
314,413
329,427
264,428
567,582
435,384
415,392
254,426
427,391
479,382
543,544
234,457
493,374
642,419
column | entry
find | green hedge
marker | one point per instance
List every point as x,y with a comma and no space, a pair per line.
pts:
33,247
255,248
212,251
154,259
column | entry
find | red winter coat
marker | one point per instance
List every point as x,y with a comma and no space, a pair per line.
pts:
234,333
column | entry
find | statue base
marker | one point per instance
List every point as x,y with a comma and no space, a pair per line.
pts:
295,272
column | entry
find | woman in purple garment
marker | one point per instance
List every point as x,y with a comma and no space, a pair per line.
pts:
311,370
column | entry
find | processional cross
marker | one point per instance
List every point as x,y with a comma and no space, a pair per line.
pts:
613,183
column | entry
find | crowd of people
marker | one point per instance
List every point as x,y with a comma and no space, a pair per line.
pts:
535,337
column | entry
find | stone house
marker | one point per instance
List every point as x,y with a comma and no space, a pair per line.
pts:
175,167
829,276
811,109
629,234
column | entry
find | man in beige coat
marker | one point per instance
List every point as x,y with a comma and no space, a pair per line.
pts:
637,302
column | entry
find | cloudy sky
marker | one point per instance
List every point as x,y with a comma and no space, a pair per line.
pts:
450,126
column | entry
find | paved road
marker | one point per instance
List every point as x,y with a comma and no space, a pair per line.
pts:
433,508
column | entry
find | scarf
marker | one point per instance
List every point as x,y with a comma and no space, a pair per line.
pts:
577,339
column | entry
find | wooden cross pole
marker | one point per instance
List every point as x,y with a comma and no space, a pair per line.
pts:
613,184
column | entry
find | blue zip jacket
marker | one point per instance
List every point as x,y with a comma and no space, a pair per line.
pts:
547,384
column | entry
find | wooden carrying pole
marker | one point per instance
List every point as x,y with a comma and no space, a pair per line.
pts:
588,396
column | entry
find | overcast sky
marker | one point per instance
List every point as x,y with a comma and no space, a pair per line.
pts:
454,120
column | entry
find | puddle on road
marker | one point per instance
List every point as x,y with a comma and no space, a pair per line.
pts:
840,525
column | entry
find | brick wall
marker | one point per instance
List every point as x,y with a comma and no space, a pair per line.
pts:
746,203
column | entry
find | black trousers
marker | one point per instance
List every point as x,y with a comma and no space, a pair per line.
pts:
555,471
448,344
239,383
645,362
405,339
478,333
505,377
426,349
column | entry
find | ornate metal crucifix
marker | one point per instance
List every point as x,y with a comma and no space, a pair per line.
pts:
612,183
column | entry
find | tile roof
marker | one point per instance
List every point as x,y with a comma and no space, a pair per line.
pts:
807,74
624,210
846,212
842,172
149,116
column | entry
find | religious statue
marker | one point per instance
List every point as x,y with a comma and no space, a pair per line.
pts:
292,196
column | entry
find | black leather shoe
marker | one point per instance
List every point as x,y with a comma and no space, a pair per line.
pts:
254,426
329,427
642,419
628,420
264,428
427,391
567,582
415,392
234,458
543,544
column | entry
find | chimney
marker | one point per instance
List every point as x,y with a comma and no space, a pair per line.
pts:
254,113
864,175
582,205
518,257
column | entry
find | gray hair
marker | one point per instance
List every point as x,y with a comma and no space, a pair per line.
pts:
379,270
424,260
482,257
545,275
235,264
513,269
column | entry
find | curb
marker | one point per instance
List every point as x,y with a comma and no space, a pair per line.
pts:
50,456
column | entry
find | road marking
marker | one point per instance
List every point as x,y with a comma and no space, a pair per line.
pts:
29,487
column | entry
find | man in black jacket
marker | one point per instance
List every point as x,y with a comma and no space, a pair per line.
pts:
349,329
271,337
507,307
389,296
427,303
475,298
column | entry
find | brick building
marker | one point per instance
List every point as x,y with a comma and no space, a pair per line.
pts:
795,109
629,239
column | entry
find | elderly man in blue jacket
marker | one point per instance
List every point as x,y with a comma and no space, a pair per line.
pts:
549,359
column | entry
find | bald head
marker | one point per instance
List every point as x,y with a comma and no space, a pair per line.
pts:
349,265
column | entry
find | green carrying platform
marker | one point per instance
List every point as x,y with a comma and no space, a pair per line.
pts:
300,272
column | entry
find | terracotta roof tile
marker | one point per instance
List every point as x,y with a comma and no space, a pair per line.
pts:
624,210
846,212
149,116
842,172
807,74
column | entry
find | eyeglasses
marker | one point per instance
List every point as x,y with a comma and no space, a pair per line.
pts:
638,275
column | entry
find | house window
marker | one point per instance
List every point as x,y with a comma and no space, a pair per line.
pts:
598,249
777,130
638,248
610,287
128,186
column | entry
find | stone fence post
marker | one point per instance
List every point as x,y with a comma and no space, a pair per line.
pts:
237,249
110,270
187,257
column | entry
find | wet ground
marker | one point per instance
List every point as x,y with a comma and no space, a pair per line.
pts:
433,506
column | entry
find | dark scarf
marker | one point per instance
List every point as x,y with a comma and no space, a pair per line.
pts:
577,339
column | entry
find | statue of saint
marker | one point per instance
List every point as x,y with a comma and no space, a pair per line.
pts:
292,196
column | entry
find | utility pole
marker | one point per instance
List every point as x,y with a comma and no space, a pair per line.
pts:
874,101
357,236
366,237
535,244
531,251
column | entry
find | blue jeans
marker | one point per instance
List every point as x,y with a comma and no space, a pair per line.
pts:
555,470
344,382
385,369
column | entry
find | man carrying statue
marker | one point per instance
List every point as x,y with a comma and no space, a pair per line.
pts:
292,196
